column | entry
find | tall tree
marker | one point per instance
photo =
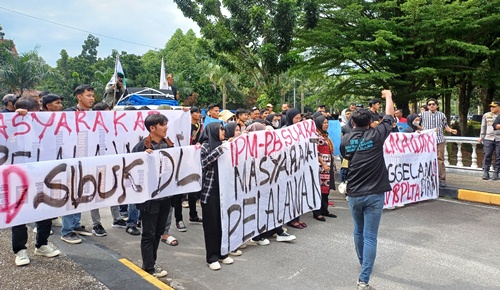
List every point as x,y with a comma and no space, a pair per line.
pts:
23,72
252,37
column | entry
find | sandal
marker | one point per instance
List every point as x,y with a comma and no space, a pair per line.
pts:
169,240
330,215
296,225
303,224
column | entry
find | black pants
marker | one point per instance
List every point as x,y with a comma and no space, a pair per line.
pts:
192,198
489,148
324,206
154,218
212,227
20,235
177,204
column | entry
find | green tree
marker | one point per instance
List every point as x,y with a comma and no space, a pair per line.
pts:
253,38
23,72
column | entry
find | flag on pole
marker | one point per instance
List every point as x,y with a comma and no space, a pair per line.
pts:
163,79
118,69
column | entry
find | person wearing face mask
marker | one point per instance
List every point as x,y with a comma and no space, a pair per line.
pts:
413,121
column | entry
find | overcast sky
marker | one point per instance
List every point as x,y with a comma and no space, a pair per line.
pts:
150,22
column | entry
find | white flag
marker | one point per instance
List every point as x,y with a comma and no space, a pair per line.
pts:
163,79
118,69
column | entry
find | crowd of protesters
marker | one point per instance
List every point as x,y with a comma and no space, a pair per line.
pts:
152,219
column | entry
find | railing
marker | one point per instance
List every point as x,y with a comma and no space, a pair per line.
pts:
459,141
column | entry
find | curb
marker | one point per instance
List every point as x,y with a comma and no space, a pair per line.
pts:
470,195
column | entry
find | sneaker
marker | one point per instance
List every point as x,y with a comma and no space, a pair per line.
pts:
185,204
180,226
227,260
196,220
133,231
159,272
236,253
57,222
285,237
120,223
124,215
242,246
99,231
47,251
81,230
35,231
214,266
71,238
261,242
139,224
364,286
22,258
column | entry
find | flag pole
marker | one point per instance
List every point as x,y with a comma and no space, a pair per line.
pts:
115,76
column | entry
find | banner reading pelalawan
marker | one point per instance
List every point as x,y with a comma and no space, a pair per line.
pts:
36,191
411,160
41,136
267,178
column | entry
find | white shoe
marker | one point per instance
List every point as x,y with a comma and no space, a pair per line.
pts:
214,266
22,258
35,231
159,272
185,204
261,242
227,260
236,253
47,251
242,246
285,237
390,207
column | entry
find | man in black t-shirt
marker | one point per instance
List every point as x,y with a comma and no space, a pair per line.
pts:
367,181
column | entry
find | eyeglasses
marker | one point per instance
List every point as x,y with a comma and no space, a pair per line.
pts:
431,104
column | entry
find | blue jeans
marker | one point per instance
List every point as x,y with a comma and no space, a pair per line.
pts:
133,215
70,222
366,212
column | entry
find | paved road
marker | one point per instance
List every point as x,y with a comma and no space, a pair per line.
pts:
441,244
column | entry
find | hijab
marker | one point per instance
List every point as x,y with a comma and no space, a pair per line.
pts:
319,128
255,127
230,129
290,114
409,120
211,135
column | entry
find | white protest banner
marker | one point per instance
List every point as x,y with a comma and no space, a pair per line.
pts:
40,190
411,160
269,178
41,136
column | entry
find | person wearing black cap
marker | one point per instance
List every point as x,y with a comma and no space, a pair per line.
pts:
113,92
491,141
52,103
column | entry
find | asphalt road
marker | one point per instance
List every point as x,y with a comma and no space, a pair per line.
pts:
441,244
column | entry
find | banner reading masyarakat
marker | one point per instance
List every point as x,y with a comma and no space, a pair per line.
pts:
36,191
42,136
411,160
266,179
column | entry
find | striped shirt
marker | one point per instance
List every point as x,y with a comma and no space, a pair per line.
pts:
434,120
208,169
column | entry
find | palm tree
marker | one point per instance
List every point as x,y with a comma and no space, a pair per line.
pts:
23,72
221,78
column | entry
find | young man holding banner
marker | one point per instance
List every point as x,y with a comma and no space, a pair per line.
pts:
154,212
367,181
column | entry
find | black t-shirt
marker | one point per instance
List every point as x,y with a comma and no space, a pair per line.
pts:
195,133
367,171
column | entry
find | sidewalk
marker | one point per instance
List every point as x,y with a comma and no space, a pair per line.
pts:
469,186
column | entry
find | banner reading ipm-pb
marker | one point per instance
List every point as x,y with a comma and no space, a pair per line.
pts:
36,191
267,178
